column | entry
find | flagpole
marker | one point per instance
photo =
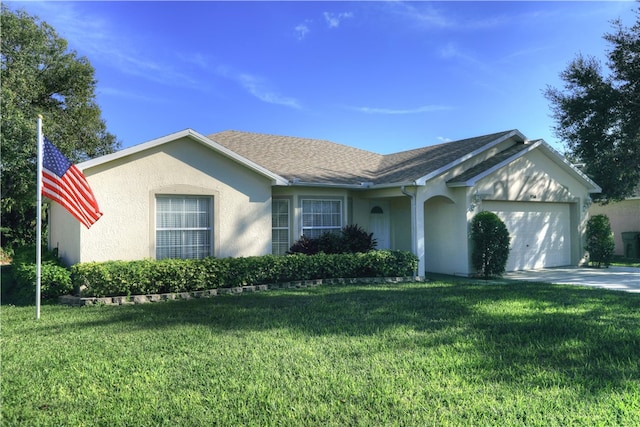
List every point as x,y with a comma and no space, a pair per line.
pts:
39,219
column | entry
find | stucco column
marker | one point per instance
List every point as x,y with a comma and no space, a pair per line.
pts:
418,231
417,227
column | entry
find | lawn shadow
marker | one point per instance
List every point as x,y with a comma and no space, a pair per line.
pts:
531,334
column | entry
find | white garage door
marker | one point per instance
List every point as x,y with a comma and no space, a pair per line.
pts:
540,233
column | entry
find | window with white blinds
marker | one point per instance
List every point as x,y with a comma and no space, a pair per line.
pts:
279,226
183,227
321,216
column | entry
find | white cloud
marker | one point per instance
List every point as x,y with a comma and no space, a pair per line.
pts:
302,30
334,19
391,111
425,15
100,40
257,86
125,94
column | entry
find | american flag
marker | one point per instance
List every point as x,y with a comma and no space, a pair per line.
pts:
63,182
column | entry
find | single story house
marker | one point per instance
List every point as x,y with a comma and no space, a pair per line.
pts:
233,194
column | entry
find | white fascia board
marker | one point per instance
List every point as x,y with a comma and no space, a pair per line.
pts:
324,185
471,182
424,179
392,185
295,183
276,179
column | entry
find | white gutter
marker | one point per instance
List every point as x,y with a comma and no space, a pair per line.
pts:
360,186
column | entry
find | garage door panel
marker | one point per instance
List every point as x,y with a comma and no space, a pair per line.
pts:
540,233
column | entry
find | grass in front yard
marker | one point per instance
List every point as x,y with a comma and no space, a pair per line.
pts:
412,354
620,261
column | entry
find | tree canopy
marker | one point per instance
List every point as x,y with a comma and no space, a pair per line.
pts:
598,115
40,75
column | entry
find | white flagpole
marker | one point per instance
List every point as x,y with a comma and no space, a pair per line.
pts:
39,219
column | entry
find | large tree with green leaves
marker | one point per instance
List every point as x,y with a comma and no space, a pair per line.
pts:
40,75
598,115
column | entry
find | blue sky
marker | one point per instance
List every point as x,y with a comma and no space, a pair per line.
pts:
381,76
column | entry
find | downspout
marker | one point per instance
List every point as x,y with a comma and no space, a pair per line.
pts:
413,224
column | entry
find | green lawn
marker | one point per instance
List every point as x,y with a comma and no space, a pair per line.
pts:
439,353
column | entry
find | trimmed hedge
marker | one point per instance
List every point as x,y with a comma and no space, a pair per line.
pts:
119,278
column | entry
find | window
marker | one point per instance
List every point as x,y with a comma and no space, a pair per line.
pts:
183,227
321,216
279,226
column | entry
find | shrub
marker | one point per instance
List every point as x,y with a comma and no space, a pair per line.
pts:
358,240
600,243
490,240
304,245
114,278
332,243
55,278
351,239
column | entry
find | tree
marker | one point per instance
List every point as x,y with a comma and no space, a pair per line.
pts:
598,116
40,76
600,243
490,239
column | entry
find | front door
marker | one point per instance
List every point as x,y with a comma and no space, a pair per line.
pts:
379,225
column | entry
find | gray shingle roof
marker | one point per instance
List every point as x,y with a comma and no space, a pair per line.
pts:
307,160
325,162
488,164
414,164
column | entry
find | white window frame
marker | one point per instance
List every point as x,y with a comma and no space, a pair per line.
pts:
315,230
201,250
276,245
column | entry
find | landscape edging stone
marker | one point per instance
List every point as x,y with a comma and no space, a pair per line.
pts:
207,293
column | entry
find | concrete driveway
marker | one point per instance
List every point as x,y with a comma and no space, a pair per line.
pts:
614,278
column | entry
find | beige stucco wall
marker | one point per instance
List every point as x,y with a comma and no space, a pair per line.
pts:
445,236
623,216
126,190
533,177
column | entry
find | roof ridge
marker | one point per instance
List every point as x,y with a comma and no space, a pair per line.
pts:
270,135
442,144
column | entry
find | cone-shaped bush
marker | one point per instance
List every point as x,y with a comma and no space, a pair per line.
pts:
490,239
600,243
